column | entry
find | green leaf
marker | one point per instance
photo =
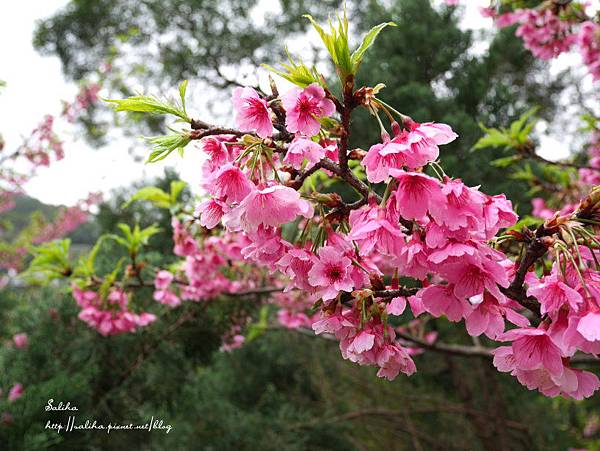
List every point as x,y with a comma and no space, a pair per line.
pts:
165,145
153,194
367,42
109,280
513,137
50,261
297,72
493,138
177,186
85,266
526,221
133,240
505,161
148,104
336,43
259,328
182,90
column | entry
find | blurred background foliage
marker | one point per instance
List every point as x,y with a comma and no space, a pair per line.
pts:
283,390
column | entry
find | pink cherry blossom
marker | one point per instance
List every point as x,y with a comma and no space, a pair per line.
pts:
293,320
231,184
552,294
163,279
266,247
252,111
371,228
302,149
235,342
396,306
304,108
331,273
498,214
185,244
545,34
534,349
567,382
415,194
167,297
211,211
423,140
392,360
589,326
471,276
463,206
487,316
271,206
381,158
440,300
589,45
296,263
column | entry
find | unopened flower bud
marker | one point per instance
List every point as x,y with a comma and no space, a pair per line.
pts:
331,200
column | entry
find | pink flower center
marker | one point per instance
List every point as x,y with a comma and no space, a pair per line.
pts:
309,106
255,108
334,273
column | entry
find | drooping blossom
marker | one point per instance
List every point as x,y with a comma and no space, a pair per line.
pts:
271,206
487,315
544,33
185,244
415,194
252,111
111,316
462,208
589,326
211,211
440,300
552,293
422,141
304,108
534,349
371,228
296,263
567,382
230,184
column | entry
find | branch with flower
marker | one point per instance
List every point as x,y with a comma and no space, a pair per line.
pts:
354,266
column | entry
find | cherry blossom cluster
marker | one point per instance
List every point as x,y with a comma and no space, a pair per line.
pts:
203,275
87,96
543,32
538,356
434,230
44,143
40,149
109,315
551,29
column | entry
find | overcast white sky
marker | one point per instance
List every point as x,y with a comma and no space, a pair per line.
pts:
35,87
